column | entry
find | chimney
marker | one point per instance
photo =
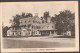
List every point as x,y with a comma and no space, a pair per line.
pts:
36,14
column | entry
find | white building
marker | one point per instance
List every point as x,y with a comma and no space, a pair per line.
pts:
32,26
48,29
68,33
13,32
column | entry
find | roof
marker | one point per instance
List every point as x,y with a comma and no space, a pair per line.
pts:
47,26
26,29
30,20
44,29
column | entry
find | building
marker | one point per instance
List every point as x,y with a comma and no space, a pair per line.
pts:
30,25
13,32
33,26
25,32
68,33
48,29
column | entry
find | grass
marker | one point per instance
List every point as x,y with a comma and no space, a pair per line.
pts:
37,43
62,37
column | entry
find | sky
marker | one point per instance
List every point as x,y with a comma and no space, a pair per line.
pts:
11,9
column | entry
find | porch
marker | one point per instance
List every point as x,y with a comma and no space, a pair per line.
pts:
48,32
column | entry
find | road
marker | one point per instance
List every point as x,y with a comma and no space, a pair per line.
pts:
38,42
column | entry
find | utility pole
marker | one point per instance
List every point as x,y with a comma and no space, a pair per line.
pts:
2,25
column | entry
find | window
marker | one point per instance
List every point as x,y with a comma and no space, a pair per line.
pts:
23,30
25,21
36,32
9,33
47,26
20,22
39,22
33,21
39,32
29,32
52,26
29,21
13,33
20,33
16,32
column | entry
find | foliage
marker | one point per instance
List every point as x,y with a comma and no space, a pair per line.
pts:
45,16
42,19
4,31
64,21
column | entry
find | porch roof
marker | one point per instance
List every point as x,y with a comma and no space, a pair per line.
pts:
47,29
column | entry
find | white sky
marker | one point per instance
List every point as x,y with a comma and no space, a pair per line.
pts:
11,9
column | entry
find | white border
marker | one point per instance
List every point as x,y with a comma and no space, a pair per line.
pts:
38,49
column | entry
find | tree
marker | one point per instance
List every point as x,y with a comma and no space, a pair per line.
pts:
29,15
64,21
15,21
4,31
26,15
53,19
45,16
42,19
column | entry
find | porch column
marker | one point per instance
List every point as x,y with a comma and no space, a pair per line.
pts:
50,32
54,33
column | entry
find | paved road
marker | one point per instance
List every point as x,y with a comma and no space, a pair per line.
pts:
38,42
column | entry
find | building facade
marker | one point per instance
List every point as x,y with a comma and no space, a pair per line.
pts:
33,26
14,32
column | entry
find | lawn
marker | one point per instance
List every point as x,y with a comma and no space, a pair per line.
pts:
38,42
